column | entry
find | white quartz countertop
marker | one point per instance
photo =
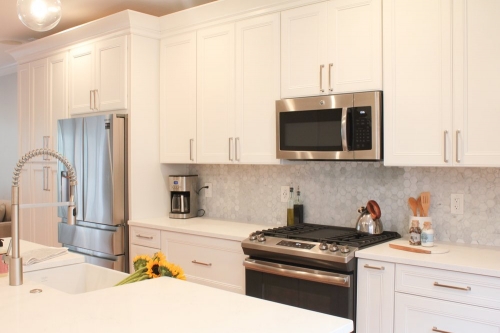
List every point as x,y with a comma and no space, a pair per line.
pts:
69,258
476,259
156,305
202,226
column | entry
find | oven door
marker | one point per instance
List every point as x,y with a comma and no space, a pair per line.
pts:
313,128
311,289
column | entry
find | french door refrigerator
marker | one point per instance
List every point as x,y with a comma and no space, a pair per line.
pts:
96,146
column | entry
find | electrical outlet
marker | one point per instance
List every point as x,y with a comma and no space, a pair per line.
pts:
285,193
457,204
208,191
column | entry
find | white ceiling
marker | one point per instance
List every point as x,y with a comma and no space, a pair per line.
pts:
76,12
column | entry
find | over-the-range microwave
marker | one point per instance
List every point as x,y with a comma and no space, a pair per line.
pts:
330,127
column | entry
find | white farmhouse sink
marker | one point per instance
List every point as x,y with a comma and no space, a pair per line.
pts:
78,278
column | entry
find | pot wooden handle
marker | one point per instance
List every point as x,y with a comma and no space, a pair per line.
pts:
374,209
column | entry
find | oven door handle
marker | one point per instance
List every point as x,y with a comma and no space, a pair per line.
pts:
298,272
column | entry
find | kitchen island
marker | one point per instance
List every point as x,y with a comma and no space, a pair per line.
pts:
156,305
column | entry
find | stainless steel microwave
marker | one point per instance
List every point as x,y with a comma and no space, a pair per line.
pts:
330,127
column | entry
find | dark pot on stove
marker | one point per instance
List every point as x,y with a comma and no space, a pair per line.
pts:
369,219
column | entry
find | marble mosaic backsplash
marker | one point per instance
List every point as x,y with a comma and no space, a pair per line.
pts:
333,191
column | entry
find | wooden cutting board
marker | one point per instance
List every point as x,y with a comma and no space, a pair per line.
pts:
420,249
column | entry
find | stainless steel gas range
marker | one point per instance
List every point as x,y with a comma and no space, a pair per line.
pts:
310,266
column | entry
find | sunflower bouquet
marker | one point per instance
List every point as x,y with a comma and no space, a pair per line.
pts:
150,268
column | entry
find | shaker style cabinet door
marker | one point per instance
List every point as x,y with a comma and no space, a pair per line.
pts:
39,111
178,99
215,94
304,51
476,69
57,96
23,109
257,89
81,79
375,297
417,70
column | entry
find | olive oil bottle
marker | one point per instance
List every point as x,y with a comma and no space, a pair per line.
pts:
289,210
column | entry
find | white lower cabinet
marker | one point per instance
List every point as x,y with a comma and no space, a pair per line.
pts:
422,314
213,262
375,296
143,241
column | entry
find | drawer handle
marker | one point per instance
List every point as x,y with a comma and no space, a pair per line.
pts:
434,329
437,284
381,268
201,263
141,236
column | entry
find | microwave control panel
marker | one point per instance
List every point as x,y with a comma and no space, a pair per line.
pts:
362,128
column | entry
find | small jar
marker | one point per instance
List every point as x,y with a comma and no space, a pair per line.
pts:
427,236
415,232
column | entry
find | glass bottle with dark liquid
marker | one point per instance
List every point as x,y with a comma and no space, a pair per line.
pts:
298,209
289,210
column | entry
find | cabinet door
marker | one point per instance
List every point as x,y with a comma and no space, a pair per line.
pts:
81,79
416,314
178,99
354,45
138,250
476,48
417,82
215,94
25,223
40,120
43,190
57,97
23,108
111,74
257,89
375,297
304,51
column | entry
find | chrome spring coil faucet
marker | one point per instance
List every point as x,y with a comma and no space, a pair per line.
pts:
15,260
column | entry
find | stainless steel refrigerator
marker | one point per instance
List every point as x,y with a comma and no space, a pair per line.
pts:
97,148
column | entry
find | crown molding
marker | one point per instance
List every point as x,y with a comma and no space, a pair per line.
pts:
9,69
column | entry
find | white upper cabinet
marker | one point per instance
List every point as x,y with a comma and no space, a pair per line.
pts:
331,47
257,89
57,94
39,113
23,108
476,69
98,76
178,99
215,94
440,72
417,82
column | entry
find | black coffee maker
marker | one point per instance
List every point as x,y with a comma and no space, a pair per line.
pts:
183,196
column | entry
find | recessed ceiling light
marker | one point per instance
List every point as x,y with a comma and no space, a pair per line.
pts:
10,42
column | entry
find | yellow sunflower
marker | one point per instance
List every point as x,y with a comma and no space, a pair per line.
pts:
141,261
153,268
160,256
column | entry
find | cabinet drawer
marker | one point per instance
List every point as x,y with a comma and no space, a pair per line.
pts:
415,314
136,250
448,285
145,237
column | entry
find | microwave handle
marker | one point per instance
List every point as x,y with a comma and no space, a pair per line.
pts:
345,131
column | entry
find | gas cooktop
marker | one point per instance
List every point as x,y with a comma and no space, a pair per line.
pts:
311,244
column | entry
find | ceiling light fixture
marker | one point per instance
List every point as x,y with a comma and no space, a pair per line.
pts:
39,15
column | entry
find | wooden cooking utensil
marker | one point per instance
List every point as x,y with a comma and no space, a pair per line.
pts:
412,202
420,208
425,199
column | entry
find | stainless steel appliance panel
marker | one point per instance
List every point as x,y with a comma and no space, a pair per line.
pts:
374,100
100,259
70,145
96,237
104,178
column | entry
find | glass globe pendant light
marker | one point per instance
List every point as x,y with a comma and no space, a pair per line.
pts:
39,15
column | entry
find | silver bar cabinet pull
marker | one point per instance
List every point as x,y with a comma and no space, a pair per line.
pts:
230,148
445,146
321,78
191,141
236,150
146,237
435,329
96,92
46,178
330,77
381,268
201,263
456,142
437,284
90,101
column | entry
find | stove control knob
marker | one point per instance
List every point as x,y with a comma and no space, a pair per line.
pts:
323,246
253,236
261,238
333,247
344,249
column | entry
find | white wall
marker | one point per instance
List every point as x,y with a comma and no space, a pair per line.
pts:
8,132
